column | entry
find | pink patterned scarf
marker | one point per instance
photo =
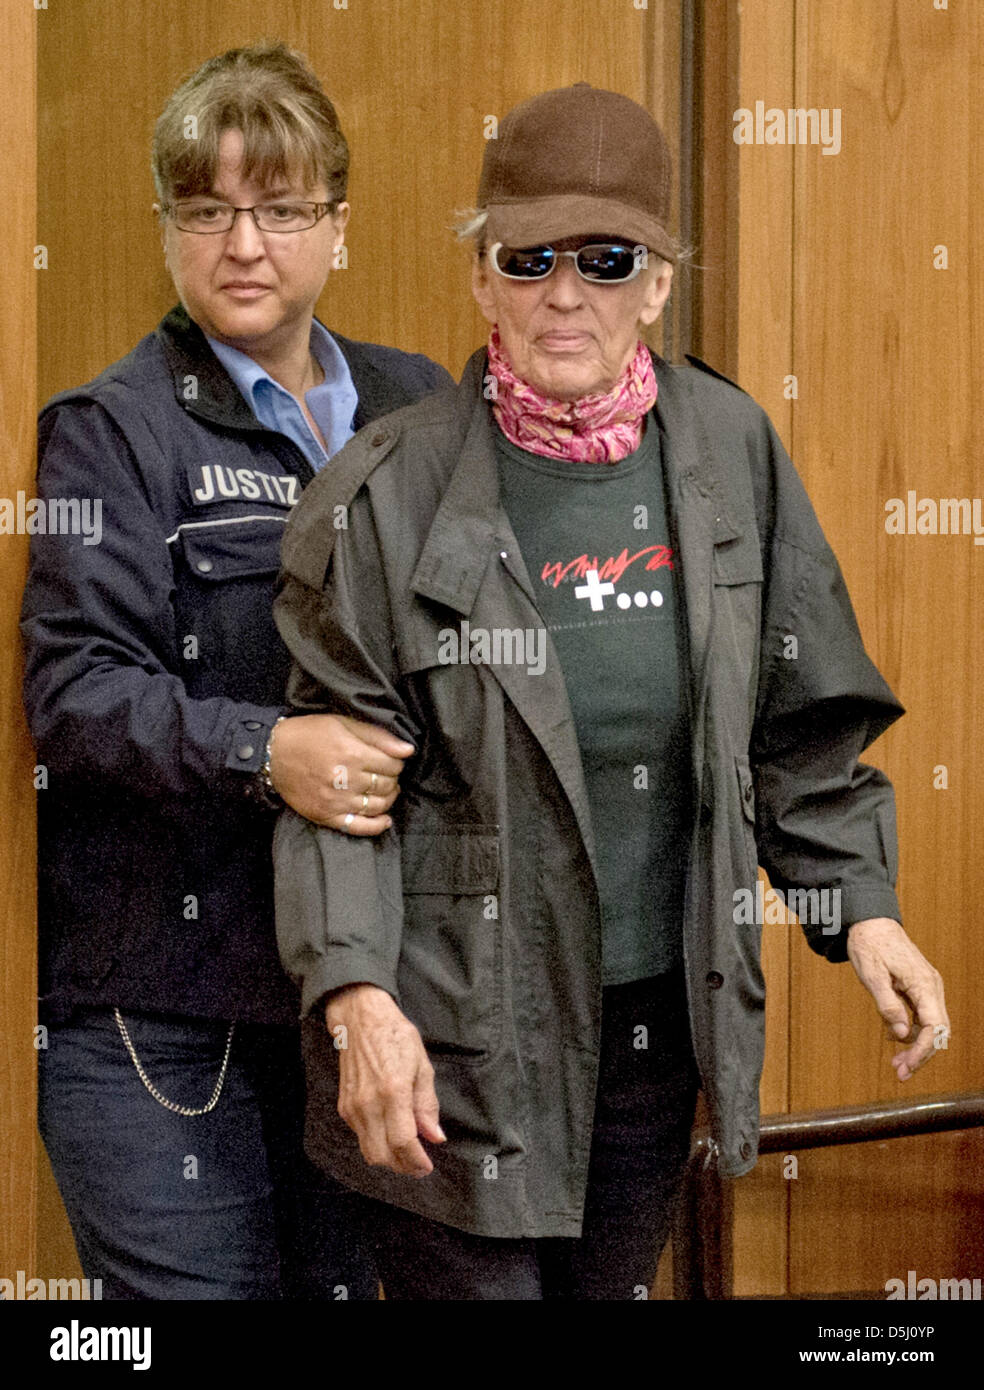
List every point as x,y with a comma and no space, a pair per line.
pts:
595,429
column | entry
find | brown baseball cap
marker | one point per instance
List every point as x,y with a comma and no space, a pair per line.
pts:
575,161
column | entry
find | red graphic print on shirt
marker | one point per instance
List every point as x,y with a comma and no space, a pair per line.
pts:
600,577
554,572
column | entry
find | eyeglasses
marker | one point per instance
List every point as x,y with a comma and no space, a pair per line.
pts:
208,219
602,262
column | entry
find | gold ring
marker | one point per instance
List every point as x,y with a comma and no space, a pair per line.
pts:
365,802
372,781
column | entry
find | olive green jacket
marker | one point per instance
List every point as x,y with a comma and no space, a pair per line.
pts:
479,910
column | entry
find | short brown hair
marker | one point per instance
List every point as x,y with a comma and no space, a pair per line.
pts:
270,93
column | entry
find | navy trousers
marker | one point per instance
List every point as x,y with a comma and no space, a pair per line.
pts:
646,1100
216,1206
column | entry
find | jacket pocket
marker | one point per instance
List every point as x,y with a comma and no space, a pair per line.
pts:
737,621
237,548
450,970
224,573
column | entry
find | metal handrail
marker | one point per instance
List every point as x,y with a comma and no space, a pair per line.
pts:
817,1129
702,1227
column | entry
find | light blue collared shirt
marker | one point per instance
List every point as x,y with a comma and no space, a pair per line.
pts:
332,404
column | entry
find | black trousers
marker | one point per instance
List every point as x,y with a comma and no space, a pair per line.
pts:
643,1115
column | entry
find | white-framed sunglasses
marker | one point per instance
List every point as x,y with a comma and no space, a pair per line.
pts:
600,262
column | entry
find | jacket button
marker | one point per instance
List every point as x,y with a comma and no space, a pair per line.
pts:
746,1149
714,979
245,752
380,437
252,724
204,566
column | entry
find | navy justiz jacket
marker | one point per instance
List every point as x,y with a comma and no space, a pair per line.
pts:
154,674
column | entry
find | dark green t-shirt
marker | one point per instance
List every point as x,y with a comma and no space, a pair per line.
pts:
595,541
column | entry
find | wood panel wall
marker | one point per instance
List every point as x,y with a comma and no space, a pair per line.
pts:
838,286
413,82
17,396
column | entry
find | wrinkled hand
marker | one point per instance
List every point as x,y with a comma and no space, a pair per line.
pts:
386,1081
901,980
323,765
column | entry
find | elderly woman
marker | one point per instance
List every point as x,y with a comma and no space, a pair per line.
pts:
172,1090
567,583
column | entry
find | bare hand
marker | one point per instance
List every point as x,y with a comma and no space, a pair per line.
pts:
328,766
386,1081
901,979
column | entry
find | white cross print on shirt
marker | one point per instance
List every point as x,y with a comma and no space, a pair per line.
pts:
594,590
